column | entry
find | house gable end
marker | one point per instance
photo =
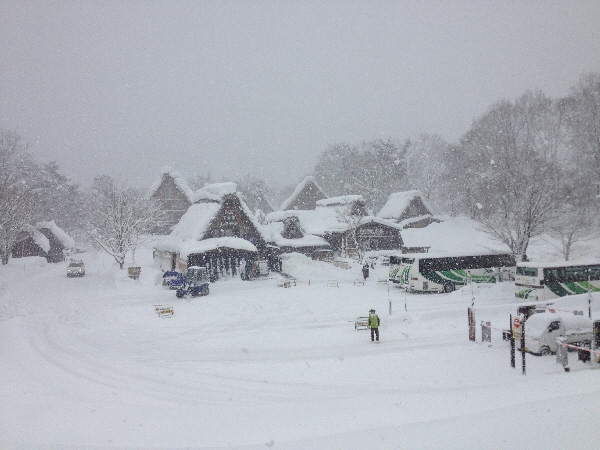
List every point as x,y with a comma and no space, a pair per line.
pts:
292,229
305,196
232,221
415,208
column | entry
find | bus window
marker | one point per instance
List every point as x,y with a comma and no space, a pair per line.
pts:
527,271
395,260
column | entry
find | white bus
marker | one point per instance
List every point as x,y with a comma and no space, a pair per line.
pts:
544,281
442,273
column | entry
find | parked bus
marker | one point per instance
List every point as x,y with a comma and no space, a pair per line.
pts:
398,265
442,273
545,281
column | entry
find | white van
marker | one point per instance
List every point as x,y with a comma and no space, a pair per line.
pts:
542,330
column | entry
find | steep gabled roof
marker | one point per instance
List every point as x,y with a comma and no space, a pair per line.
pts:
274,232
319,221
66,240
373,219
191,235
345,205
38,238
398,202
215,192
306,185
180,183
340,201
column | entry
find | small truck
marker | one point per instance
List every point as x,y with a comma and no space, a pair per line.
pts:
543,329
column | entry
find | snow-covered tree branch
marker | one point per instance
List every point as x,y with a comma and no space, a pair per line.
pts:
120,220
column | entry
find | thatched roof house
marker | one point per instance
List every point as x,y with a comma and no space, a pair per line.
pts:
408,209
45,239
218,231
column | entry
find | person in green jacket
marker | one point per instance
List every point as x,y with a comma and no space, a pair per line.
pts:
374,325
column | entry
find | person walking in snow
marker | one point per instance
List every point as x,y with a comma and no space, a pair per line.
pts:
365,271
374,325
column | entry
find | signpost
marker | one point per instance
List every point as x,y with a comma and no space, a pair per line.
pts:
471,314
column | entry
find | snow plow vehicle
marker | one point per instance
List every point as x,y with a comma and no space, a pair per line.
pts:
195,283
172,279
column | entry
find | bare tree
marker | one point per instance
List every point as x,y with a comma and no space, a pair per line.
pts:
574,225
120,219
425,160
16,193
583,119
373,169
515,176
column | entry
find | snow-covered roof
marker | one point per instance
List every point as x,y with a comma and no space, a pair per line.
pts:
273,231
318,221
215,192
455,235
179,180
299,189
379,220
340,201
397,202
537,323
38,237
194,223
551,264
191,246
66,240
192,228
406,222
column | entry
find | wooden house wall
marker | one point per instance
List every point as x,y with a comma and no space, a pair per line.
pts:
56,252
307,198
231,220
291,229
375,236
28,247
173,202
422,223
415,208
359,209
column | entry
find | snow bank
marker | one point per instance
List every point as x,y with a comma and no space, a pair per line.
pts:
454,235
304,268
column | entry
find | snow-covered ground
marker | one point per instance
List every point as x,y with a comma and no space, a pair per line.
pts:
87,364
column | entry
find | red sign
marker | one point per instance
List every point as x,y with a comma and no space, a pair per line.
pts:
516,322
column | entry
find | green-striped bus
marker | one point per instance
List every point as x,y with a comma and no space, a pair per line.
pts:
424,272
544,281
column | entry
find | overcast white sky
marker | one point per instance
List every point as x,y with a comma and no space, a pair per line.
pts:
233,87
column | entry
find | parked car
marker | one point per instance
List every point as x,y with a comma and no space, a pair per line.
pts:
76,268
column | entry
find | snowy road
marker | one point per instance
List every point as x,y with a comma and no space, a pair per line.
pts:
86,363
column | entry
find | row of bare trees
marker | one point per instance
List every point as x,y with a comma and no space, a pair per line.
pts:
111,215
524,168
